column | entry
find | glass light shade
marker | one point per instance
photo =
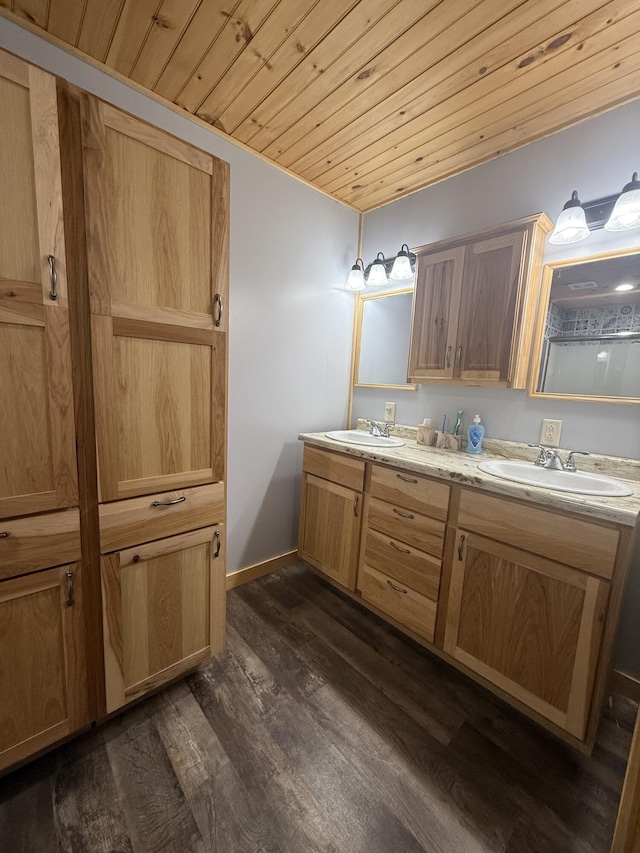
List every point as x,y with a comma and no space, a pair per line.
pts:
401,270
355,279
572,224
377,273
626,211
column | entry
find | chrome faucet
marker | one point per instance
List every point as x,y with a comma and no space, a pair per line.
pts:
550,458
381,431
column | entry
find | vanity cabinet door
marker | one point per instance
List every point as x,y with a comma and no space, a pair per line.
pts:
38,456
330,520
528,625
435,315
163,611
42,665
492,272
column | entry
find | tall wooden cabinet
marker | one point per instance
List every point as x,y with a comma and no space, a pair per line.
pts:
113,373
474,306
43,690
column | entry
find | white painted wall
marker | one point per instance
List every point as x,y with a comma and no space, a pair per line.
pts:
597,158
290,319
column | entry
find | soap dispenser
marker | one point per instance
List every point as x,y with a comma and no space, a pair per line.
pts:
475,434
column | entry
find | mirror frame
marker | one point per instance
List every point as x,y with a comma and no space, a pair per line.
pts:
543,308
357,340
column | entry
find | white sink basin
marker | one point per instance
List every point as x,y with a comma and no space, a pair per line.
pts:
559,481
357,436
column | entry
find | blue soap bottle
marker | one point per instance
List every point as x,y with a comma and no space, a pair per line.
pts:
475,434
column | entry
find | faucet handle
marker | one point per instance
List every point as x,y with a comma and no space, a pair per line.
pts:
542,456
570,464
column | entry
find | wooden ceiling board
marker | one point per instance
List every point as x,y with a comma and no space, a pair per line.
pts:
369,100
593,47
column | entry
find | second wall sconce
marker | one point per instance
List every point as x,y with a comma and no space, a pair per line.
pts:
613,213
381,270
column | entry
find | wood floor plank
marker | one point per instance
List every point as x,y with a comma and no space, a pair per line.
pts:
28,793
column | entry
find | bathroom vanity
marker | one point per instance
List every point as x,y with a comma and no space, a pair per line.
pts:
518,586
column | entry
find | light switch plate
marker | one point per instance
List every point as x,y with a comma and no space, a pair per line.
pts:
390,412
550,432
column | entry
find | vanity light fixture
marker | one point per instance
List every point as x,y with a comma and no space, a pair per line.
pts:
355,279
402,270
377,273
626,211
572,223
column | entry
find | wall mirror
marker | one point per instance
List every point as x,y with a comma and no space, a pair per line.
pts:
381,340
588,331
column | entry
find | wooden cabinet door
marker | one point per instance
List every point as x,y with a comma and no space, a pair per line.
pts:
42,664
435,315
163,611
37,463
527,624
492,274
330,519
157,233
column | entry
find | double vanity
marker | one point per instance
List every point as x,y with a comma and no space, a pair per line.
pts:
515,583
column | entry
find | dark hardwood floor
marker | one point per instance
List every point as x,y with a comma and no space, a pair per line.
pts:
319,728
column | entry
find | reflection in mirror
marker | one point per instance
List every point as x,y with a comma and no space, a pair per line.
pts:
382,339
590,344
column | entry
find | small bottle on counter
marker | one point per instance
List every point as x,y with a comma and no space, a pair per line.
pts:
475,434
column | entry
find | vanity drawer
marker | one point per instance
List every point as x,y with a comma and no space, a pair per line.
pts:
585,545
335,467
410,490
137,520
404,563
38,542
416,530
402,603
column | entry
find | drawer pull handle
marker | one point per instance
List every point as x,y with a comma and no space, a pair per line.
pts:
53,277
70,591
216,536
355,506
403,514
449,356
169,503
406,479
398,588
461,546
218,310
4,534
398,548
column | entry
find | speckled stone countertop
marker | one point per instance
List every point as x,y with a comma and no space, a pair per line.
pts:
460,467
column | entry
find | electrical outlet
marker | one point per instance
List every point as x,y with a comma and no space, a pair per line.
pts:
550,432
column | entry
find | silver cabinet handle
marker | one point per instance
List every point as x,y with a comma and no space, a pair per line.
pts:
4,534
216,536
169,503
70,591
403,514
398,548
398,588
449,356
53,277
461,546
355,505
218,309
406,479
458,356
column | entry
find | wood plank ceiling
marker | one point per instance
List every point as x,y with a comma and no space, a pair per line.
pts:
369,100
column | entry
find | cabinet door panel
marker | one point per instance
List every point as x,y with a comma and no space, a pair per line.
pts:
487,315
435,315
330,528
529,625
163,606
159,424
37,467
42,671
